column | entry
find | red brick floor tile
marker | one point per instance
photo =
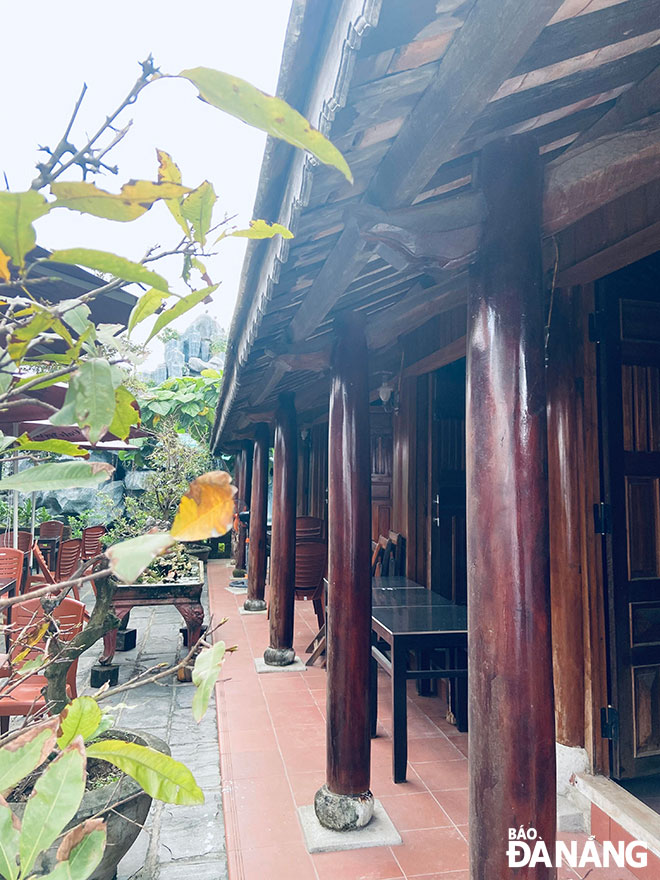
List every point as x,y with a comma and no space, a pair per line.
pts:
305,784
252,740
446,875
432,851
373,863
382,783
311,757
443,775
280,862
455,804
433,748
411,812
600,824
284,716
251,765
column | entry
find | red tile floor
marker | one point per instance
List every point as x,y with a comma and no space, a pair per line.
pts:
272,744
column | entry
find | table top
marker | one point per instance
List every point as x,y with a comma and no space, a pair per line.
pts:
6,584
396,583
399,596
428,617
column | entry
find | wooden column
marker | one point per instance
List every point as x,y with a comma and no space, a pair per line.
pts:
345,801
258,516
283,537
239,480
564,471
243,500
511,710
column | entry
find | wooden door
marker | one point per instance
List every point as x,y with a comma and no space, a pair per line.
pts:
446,505
628,325
381,473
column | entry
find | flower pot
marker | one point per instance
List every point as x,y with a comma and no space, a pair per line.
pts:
123,822
199,551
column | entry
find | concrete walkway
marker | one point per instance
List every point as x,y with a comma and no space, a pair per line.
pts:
177,842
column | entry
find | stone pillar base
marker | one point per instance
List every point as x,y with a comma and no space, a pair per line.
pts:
254,605
279,656
343,812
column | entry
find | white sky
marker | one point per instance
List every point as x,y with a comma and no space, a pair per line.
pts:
49,51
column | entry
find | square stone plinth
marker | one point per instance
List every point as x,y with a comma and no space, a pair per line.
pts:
298,665
236,590
250,613
379,832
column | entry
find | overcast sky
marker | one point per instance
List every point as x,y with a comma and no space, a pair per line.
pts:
48,51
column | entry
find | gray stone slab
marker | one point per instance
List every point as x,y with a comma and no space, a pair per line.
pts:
298,665
236,590
135,858
177,824
207,869
379,832
252,613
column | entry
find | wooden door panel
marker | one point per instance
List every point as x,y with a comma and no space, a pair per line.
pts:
629,303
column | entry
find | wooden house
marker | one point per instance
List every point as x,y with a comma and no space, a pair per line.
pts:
464,347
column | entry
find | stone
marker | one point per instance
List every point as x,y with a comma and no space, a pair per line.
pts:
343,812
254,606
379,832
279,656
126,639
297,665
206,869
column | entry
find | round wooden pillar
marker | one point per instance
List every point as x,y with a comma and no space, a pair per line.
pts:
243,499
258,515
283,537
511,707
345,801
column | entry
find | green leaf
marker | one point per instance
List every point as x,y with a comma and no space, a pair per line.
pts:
205,674
90,399
58,475
134,200
22,336
159,775
182,306
197,208
148,303
5,441
77,317
126,415
24,754
86,844
9,835
169,171
57,447
261,229
128,559
80,718
17,213
52,804
273,115
103,261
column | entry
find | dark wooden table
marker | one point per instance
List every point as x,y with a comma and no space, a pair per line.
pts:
418,620
184,595
50,548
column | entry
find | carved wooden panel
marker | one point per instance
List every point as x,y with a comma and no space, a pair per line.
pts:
641,408
381,473
646,691
642,517
644,624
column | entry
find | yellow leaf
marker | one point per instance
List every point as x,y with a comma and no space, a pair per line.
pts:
207,508
4,266
169,172
135,198
261,229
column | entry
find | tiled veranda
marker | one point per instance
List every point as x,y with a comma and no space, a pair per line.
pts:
272,743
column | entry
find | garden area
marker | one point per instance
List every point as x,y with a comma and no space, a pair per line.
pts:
111,505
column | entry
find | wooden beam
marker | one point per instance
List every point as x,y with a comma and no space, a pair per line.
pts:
343,264
623,253
584,179
638,102
415,309
494,38
440,358
277,373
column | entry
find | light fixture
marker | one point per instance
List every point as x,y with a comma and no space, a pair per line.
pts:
388,395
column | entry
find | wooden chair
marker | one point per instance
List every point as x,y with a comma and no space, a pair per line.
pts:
52,528
24,540
91,541
11,565
377,551
26,698
311,564
397,554
68,558
309,527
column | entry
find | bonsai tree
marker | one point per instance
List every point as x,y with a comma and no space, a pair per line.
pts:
94,362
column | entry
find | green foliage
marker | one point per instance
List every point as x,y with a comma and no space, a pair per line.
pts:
90,399
58,475
102,261
208,666
159,775
132,202
18,211
24,513
81,717
183,305
25,754
188,403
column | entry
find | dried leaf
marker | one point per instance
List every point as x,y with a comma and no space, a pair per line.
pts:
5,274
72,838
207,508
